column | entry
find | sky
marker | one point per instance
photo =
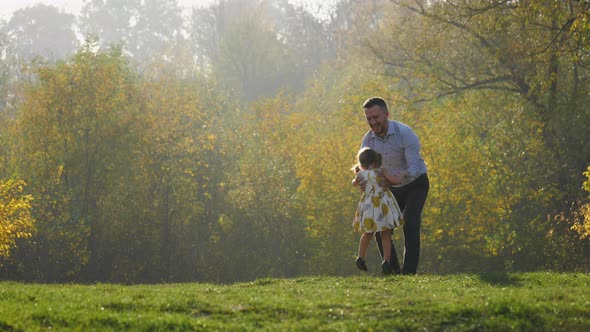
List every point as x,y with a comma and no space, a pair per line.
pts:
7,7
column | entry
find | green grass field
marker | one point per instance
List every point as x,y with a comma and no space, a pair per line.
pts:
487,302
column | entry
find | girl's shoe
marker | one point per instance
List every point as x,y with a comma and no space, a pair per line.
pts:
386,268
360,263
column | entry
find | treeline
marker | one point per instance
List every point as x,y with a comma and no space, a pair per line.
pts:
223,154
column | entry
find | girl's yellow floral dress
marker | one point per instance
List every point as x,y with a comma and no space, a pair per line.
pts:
377,209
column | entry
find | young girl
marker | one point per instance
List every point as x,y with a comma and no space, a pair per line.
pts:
377,210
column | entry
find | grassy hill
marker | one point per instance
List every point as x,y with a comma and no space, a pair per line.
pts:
487,302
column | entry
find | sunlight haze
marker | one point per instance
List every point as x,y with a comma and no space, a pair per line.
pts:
321,7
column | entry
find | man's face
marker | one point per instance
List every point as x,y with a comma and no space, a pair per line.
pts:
377,120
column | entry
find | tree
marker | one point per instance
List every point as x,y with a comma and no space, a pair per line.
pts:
148,29
159,26
72,141
258,48
252,60
42,30
16,220
262,228
7,69
305,35
109,20
480,157
179,173
582,227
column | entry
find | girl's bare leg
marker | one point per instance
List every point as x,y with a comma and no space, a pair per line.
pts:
364,244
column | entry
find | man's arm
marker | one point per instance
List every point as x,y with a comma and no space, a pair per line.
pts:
391,178
412,153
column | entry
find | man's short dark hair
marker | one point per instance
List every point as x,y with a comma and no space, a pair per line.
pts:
375,101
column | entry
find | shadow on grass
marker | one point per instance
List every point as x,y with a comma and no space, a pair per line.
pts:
500,279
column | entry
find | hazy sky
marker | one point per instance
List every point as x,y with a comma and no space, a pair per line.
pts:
7,7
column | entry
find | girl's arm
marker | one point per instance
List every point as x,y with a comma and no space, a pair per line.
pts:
357,179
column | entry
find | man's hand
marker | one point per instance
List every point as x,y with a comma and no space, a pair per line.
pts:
403,174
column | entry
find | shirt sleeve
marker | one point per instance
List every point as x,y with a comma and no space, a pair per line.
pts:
366,141
412,153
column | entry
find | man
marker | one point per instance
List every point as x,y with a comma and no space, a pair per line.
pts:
400,150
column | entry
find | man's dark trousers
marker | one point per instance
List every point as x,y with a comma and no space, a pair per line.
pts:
411,199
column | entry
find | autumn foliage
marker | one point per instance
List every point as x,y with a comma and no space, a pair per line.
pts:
183,168
16,221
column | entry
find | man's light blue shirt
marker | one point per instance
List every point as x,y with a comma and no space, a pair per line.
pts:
400,149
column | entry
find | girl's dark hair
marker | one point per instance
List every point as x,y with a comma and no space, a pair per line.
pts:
366,157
